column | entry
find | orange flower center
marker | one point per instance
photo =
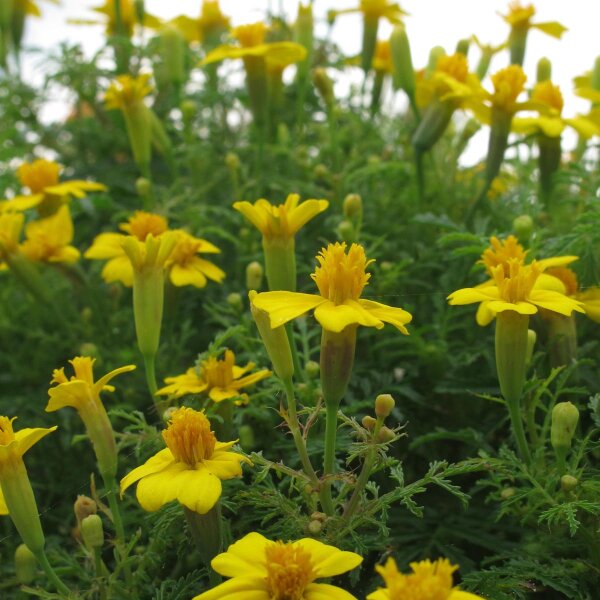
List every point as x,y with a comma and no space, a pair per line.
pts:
189,437
508,84
142,224
517,285
455,65
289,571
250,35
549,94
568,278
38,175
501,252
7,434
218,373
341,276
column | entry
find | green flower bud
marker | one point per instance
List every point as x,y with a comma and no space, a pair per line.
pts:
92,532
314,527
353,206
523,227
564,421
385,435
84,507
321,171
403,70
189,109
568,483
172,52
143,187
531,339
312,369
384,404
254,275
235,301
507,493
89,349
232,160
462,47
544,70
25,565
346,231
324,85
434,55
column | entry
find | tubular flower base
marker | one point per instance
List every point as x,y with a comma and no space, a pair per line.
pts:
220,379
3,507
341,279
428,581
47,193
189,469
266,570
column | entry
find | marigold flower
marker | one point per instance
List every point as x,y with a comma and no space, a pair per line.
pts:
210,23
127,91
519,18
47,193
261,568
589,297
189,469
129,18
219,378
48,240
427,581
82,393
14,481
340,278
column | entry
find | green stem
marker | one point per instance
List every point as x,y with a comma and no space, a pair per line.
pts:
62,589
99,568
113,503
294,426
207,532
150,368
331,410
514,410
294,351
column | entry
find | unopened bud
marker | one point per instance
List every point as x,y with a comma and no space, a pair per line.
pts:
92,532
523,227
324,85
303,28
352,206
172,51
346,231
403,70
568,483
462,47
232,160
25,565
313,369
314,527
321,171
434,55
544,70
507,493
189,109
89,349
142,187
368,422
384,404
84,507
564,421
246,436
235,301
254,275
531,339
385,435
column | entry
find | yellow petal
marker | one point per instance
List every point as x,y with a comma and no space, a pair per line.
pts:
155,490
380,594
27,437
553,28
257,217
324,591
549,282
72,393
388,314
285,306
243,557
118,269
472,295
329,561
217,394
106,245
251,379
523,308
335,318
181,276
21,203
484,315
226,465
556,261
99,385
591,303
207,268
555,302
238,588
281,54
154,464
583,126
304,212
199,489
68,254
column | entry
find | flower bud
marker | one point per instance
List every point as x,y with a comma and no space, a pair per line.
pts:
84,507
523,227
385,435
403,70
25,565
507,493
353,206
312,369
303,30
172,50
568,483
89,349
232,160
368,422
564,421
235,301
324,86
462,47
346,231
321,171
434,55
143,187
254,275
189,109
384,404
247,438
531,339
92,532
544,70
314,527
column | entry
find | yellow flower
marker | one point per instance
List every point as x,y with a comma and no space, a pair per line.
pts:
377,9
261,568
219,378
47,193
185,267
552,124
283,220
519,18
514,291
126,91
110,245
211,21
128,18
252,45
47,240
14,481
189,469
340,278
11,225
382,59
82,393
589,297
428,581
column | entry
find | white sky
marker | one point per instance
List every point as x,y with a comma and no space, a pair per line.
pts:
431,23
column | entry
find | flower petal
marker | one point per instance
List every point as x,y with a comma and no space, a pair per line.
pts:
99,385
523,308
160,461
324,591
238,588
484,315
243,558
118,269
160,488
226,465
304,212
198,489
472,295
106,245
72,393
208,269
29,436
181,276
336,317
555,302
388,314
251,379
285,306
329,561
552,28
217,394
257,217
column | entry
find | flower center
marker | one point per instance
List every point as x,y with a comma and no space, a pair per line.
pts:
568,278
549,94
38,175
141,224
189,437
508,84
501,252
455,65
84,369
341,276
218,373
6,431
517,285
126,91
250,35
186,248
289,571
519,16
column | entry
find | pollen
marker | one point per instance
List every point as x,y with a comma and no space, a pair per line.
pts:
549,94
250,35
38,175
218,373
141,224
341,276
289,571
567,277
517,285
7,434
508,84
455,65
501,252
189,437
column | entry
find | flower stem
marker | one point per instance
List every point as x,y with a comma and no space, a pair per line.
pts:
62,589
294,426
150,368
113,503
514,410
207,532
331,410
